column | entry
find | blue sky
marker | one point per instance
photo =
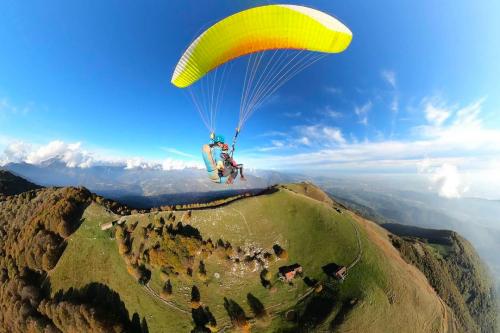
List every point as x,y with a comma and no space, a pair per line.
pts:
416,92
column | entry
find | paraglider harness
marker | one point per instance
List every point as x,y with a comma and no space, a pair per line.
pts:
227,158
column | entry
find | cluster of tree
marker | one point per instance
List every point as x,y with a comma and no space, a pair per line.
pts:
136,264
280,252
203,319
112,205
265,278
20,295
34,226
94,308
173,248
167,290
202,271
458,277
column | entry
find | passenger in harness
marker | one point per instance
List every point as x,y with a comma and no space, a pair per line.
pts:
220,165
230,165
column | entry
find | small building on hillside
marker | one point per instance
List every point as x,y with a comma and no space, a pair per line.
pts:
109,225
106,226
336,271
288,273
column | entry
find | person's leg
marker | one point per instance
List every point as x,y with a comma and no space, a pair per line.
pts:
231,174
240,167
234,173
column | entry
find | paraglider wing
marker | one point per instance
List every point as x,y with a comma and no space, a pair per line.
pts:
259,29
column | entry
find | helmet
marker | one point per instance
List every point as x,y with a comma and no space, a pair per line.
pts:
219,138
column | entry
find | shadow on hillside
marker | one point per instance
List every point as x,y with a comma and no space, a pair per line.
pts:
316,310
235,312
258,309
345,308
320,309
201,318
75,217
106,303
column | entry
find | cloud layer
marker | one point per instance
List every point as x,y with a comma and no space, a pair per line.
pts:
454,142
73,155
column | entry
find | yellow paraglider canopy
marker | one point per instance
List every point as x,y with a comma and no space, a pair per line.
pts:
259,29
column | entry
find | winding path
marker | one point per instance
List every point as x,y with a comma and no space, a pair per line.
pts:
360,247
153,293
244,220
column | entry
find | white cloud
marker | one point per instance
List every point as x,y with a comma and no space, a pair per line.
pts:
277,143
436,112
469,115
304,141
450,183
333,134
177,152
362,112
465,131
273,134
333,90
395,104
390,77
330,112
74,156
305,135
71,154
138,163
323,135
7,107
15,152
171,164
296,114
463,145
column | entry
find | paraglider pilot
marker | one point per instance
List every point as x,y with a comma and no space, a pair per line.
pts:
221,167
230,165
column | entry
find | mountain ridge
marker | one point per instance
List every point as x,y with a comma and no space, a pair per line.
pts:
11,184
379,277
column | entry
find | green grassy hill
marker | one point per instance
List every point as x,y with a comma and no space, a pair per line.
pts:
382,293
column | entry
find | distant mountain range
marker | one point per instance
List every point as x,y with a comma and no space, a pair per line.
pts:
478,220
144,187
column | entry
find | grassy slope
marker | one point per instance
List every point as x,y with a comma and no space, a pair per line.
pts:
393,296
92,255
